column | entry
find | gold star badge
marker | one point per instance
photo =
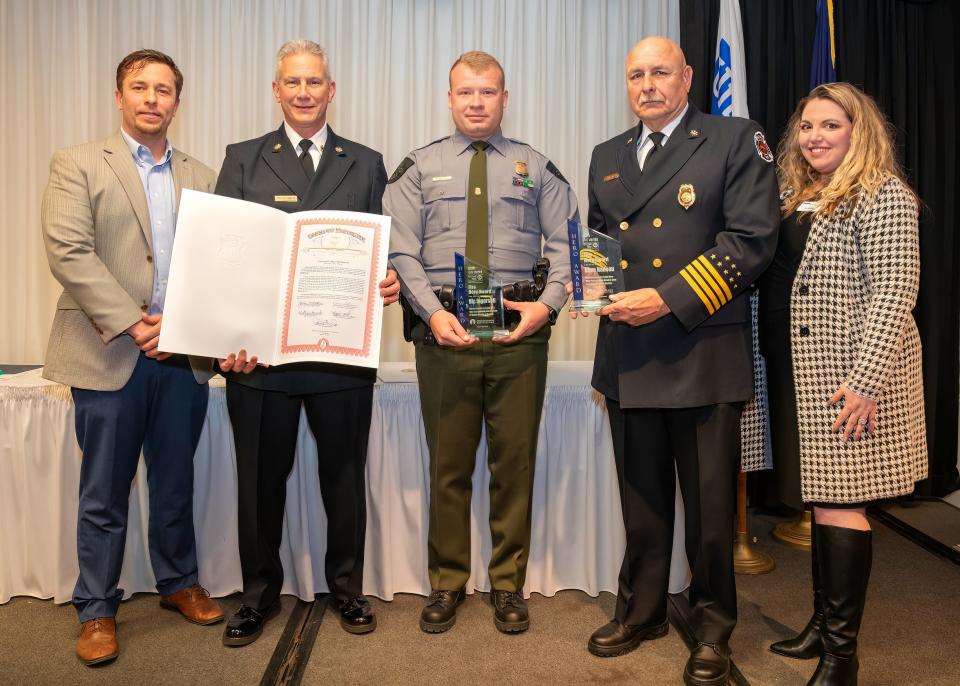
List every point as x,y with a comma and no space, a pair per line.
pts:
694,133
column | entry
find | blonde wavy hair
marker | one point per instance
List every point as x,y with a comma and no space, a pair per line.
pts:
869,162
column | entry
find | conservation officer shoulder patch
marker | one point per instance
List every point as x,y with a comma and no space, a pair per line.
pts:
556,172
401,169
763,150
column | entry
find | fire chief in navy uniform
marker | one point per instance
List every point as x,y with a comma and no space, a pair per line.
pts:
303,165
693,200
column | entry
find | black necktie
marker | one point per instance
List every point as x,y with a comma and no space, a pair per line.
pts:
306,161
657,138
477,206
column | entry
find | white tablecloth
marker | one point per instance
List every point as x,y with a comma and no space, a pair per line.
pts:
577,540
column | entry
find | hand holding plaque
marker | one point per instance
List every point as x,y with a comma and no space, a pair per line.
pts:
595,269
479,299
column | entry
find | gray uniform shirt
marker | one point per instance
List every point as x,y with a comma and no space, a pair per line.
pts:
427,200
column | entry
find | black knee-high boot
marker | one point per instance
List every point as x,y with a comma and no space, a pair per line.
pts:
807,644
845,557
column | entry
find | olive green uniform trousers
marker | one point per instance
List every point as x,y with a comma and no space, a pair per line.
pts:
502,387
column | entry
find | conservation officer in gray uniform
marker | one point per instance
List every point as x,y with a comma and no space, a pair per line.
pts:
494,199
693,199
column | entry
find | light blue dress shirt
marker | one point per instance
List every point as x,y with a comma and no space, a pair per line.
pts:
157,180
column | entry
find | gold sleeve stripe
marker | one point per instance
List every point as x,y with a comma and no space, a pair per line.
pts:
703,260
696,289
705,286
708,281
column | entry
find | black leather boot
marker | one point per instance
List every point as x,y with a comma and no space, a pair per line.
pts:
440,612
807,644
510,613
845,560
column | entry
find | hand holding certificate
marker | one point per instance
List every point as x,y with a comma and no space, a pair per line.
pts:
286,287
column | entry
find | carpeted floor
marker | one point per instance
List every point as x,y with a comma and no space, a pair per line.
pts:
911,635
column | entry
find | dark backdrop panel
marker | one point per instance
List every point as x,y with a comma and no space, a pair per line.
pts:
901,52
698,38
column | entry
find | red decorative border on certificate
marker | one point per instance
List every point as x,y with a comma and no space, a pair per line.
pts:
323,345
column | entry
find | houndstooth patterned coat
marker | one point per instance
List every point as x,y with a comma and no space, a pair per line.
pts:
851,324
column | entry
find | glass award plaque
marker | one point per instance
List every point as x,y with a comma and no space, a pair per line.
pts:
595,269
479,299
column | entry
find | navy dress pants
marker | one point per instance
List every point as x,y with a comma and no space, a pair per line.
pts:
161,409
704,444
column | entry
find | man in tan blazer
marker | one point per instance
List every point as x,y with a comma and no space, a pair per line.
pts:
108,218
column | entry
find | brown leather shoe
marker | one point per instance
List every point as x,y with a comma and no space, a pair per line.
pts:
98,640
195,604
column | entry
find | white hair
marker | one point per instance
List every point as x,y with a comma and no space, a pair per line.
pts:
300,46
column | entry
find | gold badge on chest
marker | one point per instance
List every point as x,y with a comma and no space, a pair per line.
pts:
520,168
686,196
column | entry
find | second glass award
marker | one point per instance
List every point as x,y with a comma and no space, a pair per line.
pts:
595,268
479,296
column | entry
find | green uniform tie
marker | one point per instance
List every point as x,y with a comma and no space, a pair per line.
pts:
477,207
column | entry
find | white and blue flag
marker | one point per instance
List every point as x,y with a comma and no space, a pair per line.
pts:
729,96
729,99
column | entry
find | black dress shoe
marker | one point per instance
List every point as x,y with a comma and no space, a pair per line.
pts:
356,616
246,625
615,639
440,612
708,665
510,614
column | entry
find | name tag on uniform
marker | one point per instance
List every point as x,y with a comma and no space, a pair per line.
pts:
442,178
284,198
611,177
808,206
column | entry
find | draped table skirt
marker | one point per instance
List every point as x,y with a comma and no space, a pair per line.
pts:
577,532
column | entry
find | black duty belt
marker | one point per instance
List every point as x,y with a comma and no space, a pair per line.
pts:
518,291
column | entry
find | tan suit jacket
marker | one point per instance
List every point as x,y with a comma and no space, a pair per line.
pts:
96,230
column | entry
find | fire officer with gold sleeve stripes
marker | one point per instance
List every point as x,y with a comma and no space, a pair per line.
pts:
693,200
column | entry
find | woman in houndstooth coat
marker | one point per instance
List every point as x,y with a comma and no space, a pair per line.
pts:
855,351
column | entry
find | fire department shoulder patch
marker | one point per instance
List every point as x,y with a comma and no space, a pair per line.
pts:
763,150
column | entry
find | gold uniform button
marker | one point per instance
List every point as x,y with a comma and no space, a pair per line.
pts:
624,226
624,264
657,222
657,263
